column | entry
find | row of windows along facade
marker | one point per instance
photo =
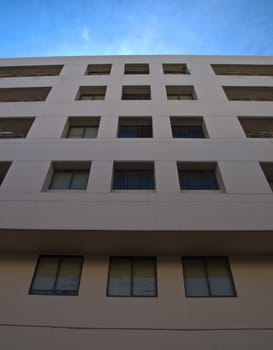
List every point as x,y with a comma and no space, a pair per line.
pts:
133,276
136,92
136,68
135,127
135,175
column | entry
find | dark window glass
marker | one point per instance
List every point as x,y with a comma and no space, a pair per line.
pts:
208,277
57,275
85,132
133,179
132,131
198,179
187,131
132,277
69,180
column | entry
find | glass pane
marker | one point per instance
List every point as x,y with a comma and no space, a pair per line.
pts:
131,131
119,277
75,132
219,277
45,276
69,276
98,97
90,132
61,180
196,284
198,179
187,131
86,97
144,280
173,97
79,180
133,179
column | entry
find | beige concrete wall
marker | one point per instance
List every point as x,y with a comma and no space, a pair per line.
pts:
245,202
92,319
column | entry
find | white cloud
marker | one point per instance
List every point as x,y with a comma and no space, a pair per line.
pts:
85,34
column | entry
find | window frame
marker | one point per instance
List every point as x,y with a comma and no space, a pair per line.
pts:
94,92
94,69
180,93
72,171
199,166
136,69
175,68
60,257
137,166
135,122
136,93
188,122
132,258
204,258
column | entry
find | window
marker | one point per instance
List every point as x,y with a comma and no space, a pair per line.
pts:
246,93
187,127
30,71
11,128
24,94
4,167
99,69
69,175
208,277
197,176
93,93
268,171
242,69
57,275
133,127
133,176
132,277
176,92
83,127
257,127
140,68
175,68
136,92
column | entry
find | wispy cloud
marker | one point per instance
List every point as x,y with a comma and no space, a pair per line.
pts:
84,32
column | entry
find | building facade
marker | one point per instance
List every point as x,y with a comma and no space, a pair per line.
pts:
136,206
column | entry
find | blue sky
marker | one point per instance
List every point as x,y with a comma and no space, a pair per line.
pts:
121,27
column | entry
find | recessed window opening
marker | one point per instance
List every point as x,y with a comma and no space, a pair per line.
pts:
69,175
99,69
246,93
176,92
257,127
4,167
136,68
175,68
208,277
83,127
91,93
15,127
187,127
32,94
30,71
132,277
135,127
197,176
57,275
268,172
140,92
243,69
133,176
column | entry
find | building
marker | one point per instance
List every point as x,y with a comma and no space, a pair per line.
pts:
136,207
